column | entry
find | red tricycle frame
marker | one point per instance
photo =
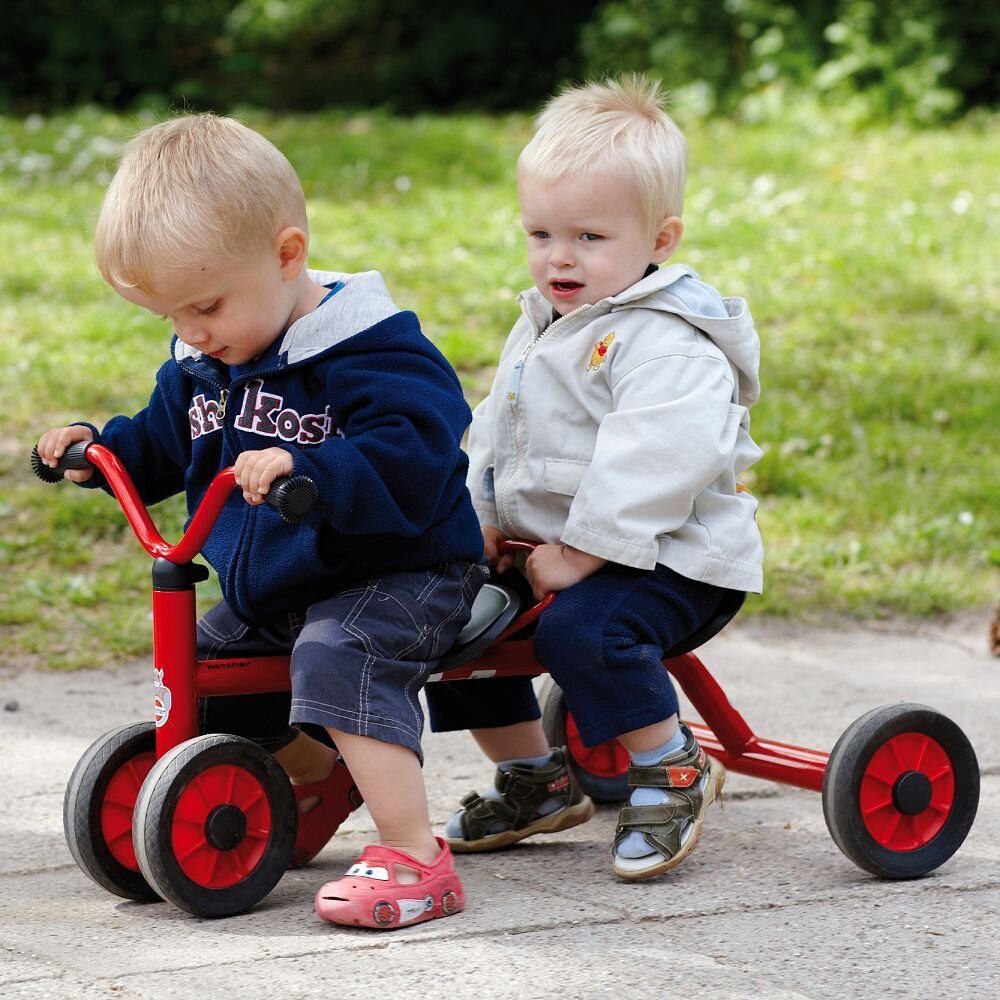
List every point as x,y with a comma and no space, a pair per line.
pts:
900,788
724,734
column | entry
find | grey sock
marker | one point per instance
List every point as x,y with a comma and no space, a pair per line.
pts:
453,828
634,845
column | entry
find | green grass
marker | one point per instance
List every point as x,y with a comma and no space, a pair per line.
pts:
869,260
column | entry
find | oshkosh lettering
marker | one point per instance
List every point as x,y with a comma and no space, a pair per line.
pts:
205,416
265,414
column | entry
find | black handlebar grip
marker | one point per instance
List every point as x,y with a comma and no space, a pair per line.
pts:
293,497
75,457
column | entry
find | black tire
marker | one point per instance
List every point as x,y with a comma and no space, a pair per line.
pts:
227,860
91,818
933,812
599,787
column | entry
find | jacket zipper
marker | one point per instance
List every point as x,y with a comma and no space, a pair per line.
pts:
514,385
513,394
231,437
244,543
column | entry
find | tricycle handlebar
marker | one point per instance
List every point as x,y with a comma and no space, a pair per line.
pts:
75,458
293,497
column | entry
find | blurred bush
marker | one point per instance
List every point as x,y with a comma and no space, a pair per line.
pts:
55,53
303,54
917,59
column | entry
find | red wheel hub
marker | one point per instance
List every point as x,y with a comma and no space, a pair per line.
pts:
118,805
887,797
607,760
209,799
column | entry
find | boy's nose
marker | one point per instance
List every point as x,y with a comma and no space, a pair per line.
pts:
561,255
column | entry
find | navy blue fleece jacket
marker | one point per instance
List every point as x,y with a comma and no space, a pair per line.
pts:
368,408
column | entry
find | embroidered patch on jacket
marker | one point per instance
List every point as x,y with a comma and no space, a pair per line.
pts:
600,353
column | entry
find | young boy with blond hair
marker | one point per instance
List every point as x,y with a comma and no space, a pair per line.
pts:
277,369
614,434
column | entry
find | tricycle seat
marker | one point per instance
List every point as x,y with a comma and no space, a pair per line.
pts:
731,603
494,608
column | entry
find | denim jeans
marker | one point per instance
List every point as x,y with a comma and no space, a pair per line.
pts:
358,659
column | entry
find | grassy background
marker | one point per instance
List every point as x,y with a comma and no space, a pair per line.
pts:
869,259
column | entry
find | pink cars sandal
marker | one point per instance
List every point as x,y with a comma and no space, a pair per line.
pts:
338,798
369,895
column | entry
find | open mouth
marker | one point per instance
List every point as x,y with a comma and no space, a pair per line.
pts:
565,287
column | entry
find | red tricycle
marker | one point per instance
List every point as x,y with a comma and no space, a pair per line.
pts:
155,810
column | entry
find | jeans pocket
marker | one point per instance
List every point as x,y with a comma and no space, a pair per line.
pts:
388,620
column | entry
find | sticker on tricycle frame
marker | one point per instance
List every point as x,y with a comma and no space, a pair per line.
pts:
161,699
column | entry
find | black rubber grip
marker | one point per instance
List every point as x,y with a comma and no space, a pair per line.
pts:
75,457
293,497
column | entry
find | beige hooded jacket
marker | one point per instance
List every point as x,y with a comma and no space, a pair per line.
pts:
622,429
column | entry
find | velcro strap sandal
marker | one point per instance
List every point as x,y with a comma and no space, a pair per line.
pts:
489,823
692,781
371,895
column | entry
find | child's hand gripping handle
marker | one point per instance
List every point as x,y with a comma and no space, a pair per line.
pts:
75,457
293,497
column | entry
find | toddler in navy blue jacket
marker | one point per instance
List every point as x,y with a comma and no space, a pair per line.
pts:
277,369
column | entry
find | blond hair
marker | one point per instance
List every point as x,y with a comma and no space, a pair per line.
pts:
620,127
193,191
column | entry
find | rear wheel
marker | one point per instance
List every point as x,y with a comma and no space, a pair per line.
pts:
215,825
601,771
99,804
901,790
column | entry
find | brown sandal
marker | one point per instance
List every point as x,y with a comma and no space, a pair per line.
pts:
489,824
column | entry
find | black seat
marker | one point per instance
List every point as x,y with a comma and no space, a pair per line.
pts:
731,603
494,608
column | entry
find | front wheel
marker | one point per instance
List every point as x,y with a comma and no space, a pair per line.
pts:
98,808
900,791
215,825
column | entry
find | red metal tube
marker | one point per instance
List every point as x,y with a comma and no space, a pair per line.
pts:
138,517
782,762
174,659
241,675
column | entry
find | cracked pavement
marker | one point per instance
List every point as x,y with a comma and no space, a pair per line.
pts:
766,906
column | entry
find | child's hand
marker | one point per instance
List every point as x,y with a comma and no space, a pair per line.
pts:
256,470
491,538
52,446
552,568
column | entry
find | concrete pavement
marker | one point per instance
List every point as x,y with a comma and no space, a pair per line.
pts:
765,907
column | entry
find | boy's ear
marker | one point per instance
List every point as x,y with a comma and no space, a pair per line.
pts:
293,251
667,239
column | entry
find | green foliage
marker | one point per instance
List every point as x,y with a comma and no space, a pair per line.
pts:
59,52
867,256
917,59
914,59
308,54
893,60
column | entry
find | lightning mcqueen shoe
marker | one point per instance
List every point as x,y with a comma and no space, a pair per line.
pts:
369,894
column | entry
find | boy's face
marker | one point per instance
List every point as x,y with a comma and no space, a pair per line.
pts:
588,237
232,311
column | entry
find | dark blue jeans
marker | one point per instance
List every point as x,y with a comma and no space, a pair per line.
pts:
359,659
602,640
